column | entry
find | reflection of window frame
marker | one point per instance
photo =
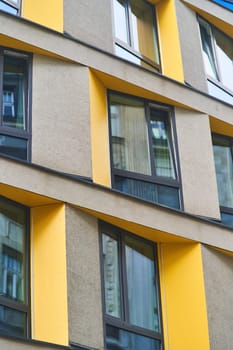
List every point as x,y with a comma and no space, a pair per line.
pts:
228,211
9,301
215,82
128,48
123,322
22,134
15,4
154,179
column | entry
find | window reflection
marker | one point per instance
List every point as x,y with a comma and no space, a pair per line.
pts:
224,170
135,32
217,50
14,88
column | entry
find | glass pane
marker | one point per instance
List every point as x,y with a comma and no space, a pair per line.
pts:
7,8
148,191
141,283
130,56
161,144
14,92
12,251
119,339
207,50
169,196
226,3
111,276
224,51
120,20
129,135
12,322
13,146
142,19
224,171
227,219
218,92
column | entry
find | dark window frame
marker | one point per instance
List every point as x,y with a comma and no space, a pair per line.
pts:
223,209
230,140
129,47
123,321
218,81
153,178
9,131
13,5
10,303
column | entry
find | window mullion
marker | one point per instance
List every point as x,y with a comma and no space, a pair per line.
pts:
1,83
152,162
214,45
124,281
129,23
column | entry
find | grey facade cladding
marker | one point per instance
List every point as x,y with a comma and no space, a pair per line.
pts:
84,284
218,275
61,116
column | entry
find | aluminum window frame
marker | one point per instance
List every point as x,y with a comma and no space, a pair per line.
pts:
217,82
25,134
153,178
223,209
16,4
10,303
129,47
123,322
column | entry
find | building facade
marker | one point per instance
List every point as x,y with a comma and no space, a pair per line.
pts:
116,174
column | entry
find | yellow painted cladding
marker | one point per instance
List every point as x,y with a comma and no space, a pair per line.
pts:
183,297
99,132
170,50
48,13
48,270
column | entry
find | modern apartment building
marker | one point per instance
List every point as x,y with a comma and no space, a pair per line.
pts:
116,174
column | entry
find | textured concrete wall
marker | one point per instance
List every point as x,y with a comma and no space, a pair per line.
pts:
13,344
84,283
197,164
60,116
193,65
90,21
218,272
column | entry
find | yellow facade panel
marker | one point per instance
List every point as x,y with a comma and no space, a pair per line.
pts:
48,271
48,13
183,297
170,50
99,132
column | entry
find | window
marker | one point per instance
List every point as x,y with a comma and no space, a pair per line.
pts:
142,149
225,3
217,50
11,6
223,157
13,269
134,20
130,279
14,103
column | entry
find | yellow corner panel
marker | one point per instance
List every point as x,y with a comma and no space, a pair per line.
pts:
99,132
183,297
169,40
48,13
49,292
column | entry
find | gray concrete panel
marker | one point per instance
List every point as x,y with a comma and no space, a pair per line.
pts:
90,21
199,184
15,344
218,274
193,65
162,224
84,284
60,116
